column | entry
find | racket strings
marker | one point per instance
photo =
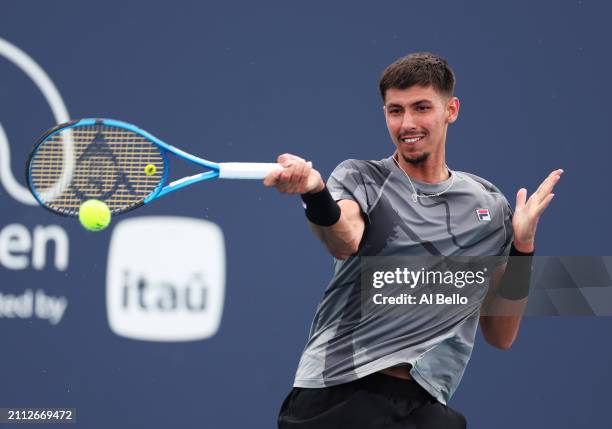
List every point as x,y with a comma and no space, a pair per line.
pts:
95,161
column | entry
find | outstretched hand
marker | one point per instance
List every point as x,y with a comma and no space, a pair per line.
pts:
528,211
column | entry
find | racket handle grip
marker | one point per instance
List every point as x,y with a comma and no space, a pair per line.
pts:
246,170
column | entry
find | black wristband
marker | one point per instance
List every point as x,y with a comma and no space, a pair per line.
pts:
515,281
321,209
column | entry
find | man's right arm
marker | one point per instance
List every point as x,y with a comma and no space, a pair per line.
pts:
341,238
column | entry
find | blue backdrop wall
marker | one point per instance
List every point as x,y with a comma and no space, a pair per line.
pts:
246,81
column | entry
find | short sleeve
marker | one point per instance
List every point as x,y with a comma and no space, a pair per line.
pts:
347,183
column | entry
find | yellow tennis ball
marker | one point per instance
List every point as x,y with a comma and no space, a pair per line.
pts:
94,215
150,170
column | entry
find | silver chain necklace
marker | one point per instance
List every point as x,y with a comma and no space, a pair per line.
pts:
415,194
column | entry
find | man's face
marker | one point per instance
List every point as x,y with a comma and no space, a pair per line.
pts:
417,119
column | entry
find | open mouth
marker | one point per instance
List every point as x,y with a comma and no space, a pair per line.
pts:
411,140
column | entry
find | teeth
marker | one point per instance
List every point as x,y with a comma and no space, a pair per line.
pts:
412,140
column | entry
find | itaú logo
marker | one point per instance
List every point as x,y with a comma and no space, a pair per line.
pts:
165,279
20,246
146,294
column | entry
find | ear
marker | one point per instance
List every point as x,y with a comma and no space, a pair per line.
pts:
384,109
452,110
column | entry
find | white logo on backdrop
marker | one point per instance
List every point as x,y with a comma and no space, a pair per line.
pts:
53,97
33,303
21,248
165,279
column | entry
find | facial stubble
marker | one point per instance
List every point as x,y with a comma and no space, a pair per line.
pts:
416,161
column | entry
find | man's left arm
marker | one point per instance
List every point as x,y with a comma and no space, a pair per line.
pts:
505,302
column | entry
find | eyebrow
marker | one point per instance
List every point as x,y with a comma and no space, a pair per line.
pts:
415,103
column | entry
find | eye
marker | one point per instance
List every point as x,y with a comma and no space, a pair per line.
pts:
394,111
422,108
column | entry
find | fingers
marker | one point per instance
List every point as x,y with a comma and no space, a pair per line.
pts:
521,198
547,185
271,178
287,178
542,206
287,158
542,197
294,177
300,175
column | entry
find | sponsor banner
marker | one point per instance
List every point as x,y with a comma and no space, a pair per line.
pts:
25,248
33,304
165,279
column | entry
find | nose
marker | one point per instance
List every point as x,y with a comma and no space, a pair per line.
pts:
408,123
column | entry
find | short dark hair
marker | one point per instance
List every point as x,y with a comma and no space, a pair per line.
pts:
421,68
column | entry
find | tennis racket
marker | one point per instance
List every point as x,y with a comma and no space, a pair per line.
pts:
115,162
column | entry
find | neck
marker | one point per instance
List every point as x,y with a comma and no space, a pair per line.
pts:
431,170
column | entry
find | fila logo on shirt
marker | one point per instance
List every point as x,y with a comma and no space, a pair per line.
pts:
483,215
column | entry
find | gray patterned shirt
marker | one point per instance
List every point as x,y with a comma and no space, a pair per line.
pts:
342,346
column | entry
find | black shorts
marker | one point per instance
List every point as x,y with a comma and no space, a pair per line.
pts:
376,401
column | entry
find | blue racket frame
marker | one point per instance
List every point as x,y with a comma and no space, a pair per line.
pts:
160,190
224,170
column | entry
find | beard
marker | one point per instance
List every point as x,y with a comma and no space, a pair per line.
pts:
416,160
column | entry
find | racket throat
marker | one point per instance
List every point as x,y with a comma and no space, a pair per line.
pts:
186,181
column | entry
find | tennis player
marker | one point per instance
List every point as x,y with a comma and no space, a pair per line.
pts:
356,372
